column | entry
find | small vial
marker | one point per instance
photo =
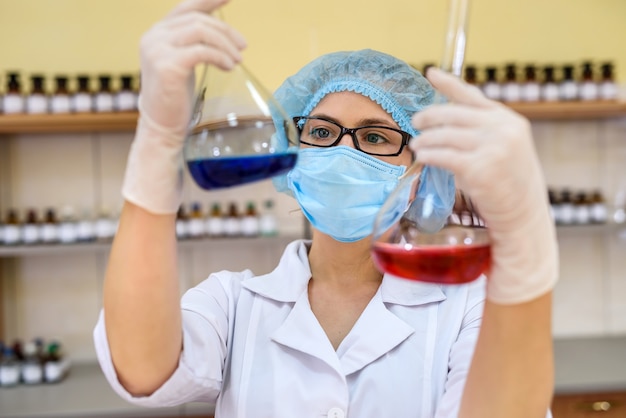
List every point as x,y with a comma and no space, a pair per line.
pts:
214,224
60,101
31,228
250,221
37,102
598,211
491,87
549,89
530,91
9,368
126,97
13,101
82,99
32,367
232,221
104,99
608,87
85,227
568,88
105,226
582,208
470,75
68,229
511,90
268,225
182,223
195,222
12,229
49,231
588,89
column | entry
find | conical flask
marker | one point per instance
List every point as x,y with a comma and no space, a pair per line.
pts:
420,235
238,132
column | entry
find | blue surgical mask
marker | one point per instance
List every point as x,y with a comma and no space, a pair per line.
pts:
340,189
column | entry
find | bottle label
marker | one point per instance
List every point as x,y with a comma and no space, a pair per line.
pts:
49,233
550,92
60,104
568,90
588,91
250,226
511,92
82,102
37,104
126,100
68,232
608,91
104,102
492,91
30,234
11,234
13,103
531,92
214,226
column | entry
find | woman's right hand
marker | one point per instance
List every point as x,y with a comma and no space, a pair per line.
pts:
171,49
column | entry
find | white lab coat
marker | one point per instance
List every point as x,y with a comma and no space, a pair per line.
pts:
254,348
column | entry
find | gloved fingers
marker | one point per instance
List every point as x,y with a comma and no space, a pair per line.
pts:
205,6
456,90
449,114
462,139
200,27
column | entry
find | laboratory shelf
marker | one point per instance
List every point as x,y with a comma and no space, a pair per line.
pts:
52,249
126,121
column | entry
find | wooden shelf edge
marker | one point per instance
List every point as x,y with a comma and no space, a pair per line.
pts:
70,122
576,110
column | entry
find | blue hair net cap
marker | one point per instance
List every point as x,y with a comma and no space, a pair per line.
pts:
397,87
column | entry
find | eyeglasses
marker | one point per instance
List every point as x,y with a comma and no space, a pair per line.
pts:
373,140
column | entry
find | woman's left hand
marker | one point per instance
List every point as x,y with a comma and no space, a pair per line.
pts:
490,150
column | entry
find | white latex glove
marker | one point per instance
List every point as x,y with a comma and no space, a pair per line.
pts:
490,150
170,51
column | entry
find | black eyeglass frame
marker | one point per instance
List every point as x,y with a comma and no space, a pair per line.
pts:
406,137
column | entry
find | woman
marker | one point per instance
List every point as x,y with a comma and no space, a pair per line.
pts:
325,334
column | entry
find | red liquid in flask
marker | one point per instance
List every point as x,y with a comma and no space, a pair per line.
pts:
435,264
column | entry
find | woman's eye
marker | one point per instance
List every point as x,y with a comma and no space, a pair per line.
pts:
320,133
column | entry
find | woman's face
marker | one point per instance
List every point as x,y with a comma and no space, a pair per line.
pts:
353,110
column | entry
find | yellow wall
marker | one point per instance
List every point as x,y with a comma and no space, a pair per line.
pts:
68,36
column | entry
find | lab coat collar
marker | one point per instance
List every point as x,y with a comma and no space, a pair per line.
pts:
290,279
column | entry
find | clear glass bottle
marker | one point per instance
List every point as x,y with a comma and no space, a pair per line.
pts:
104,98
608,87
250,221
68,229
32,367
588,88
511,89
13,100
491,87
232,221
50,227
126,96
12,228
568,87
31,229
549,88
82,99
530,91
182,223
268,224
195,223
9,368
214,224
60,101
37,102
